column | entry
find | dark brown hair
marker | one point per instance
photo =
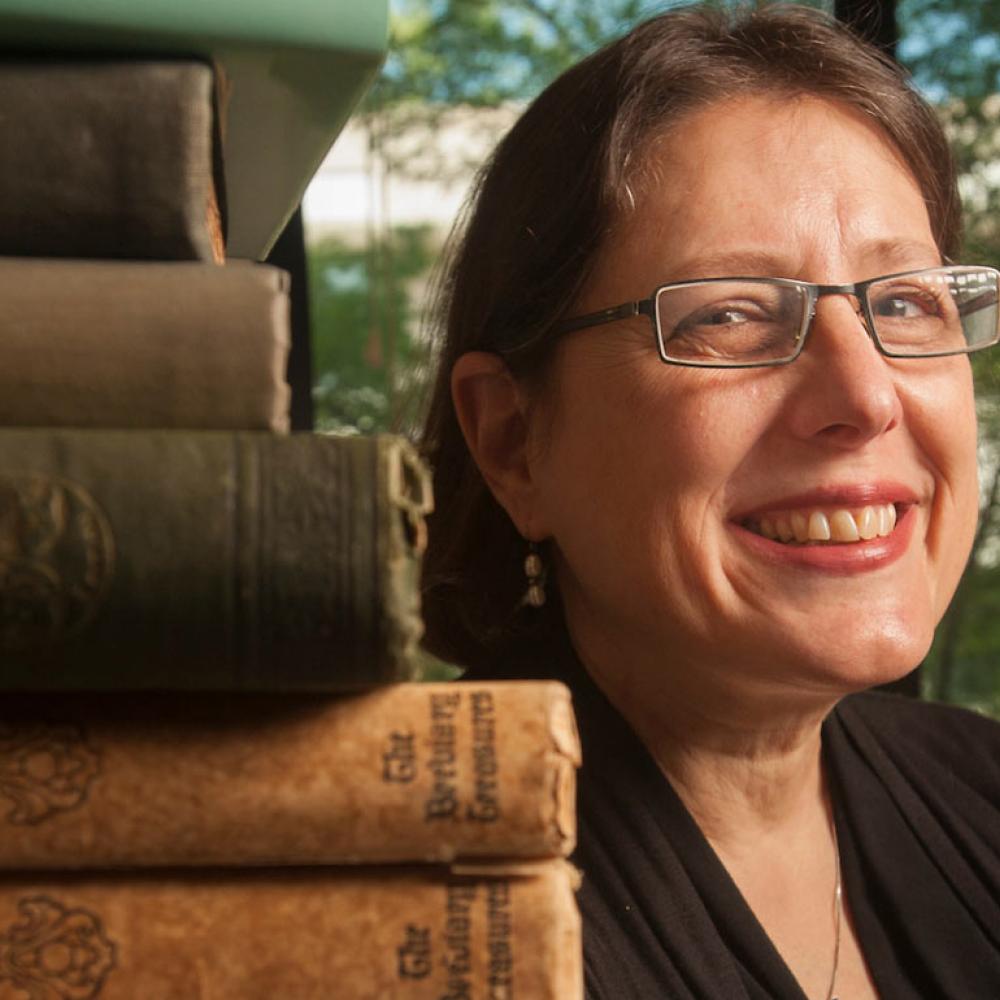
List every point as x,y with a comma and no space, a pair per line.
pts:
542,208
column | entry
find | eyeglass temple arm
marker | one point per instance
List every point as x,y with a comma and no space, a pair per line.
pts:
626,310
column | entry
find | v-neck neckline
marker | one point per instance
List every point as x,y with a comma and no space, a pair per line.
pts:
754,949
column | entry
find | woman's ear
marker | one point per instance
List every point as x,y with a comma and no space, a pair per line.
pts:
493,415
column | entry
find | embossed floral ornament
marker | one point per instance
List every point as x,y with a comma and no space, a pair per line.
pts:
54,953
43,770
56,560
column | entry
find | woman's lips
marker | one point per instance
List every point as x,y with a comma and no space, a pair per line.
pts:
843,530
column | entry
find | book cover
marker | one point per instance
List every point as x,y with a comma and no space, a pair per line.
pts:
143,345
208,560
298,934
408,772
102,158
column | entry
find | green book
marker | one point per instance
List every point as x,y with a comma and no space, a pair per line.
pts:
208,560
293,72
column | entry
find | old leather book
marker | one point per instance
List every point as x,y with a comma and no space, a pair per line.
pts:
296,934
209,560
110,158
293,72
408,772
89,343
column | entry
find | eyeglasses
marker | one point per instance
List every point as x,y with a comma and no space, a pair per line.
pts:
759,322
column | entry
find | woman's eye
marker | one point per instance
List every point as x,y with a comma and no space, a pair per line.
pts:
724,315
908,306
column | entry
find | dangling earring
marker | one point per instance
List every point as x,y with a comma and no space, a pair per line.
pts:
534,570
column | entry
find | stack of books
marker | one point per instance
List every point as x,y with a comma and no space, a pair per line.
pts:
402,843
217,777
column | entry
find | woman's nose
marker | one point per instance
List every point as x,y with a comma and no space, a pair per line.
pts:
846,394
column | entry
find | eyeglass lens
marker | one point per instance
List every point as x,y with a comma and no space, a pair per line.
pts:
748,321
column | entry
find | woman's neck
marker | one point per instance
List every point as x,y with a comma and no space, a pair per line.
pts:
744,758
742,789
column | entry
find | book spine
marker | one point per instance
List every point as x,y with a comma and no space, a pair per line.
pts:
109,158
411,772
208,560
143,345
307,934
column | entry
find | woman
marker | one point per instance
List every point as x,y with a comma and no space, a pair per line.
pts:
744,477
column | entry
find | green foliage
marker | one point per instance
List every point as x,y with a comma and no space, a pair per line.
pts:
953,52
970,675
483,53
952,48
364,307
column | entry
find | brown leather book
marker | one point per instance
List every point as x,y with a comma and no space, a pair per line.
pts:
143,344
299,934
208,560
408,772
110,158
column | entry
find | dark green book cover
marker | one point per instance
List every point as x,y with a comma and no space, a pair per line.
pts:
208,560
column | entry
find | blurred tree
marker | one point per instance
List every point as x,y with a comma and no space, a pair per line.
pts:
952,50
356,388
449,56
951,46
485,52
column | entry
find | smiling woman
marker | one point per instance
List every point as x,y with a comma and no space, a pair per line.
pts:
705,347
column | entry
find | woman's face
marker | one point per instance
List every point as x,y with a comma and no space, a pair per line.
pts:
654,480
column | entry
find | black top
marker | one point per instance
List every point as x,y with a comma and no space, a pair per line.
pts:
916,790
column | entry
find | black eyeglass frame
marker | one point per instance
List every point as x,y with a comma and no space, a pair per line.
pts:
814,292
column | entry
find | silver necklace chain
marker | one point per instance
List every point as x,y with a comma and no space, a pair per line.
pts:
838,913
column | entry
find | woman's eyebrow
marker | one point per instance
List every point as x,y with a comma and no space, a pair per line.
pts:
900,253
886,254
733,263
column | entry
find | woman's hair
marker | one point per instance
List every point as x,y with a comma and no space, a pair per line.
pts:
541,209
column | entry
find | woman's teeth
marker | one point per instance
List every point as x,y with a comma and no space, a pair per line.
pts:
835,526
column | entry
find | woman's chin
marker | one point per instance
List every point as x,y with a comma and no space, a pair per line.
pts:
859,661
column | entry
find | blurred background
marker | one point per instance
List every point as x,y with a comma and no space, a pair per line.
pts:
378,212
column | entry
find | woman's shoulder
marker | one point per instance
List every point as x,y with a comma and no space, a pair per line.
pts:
926,737
905,717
